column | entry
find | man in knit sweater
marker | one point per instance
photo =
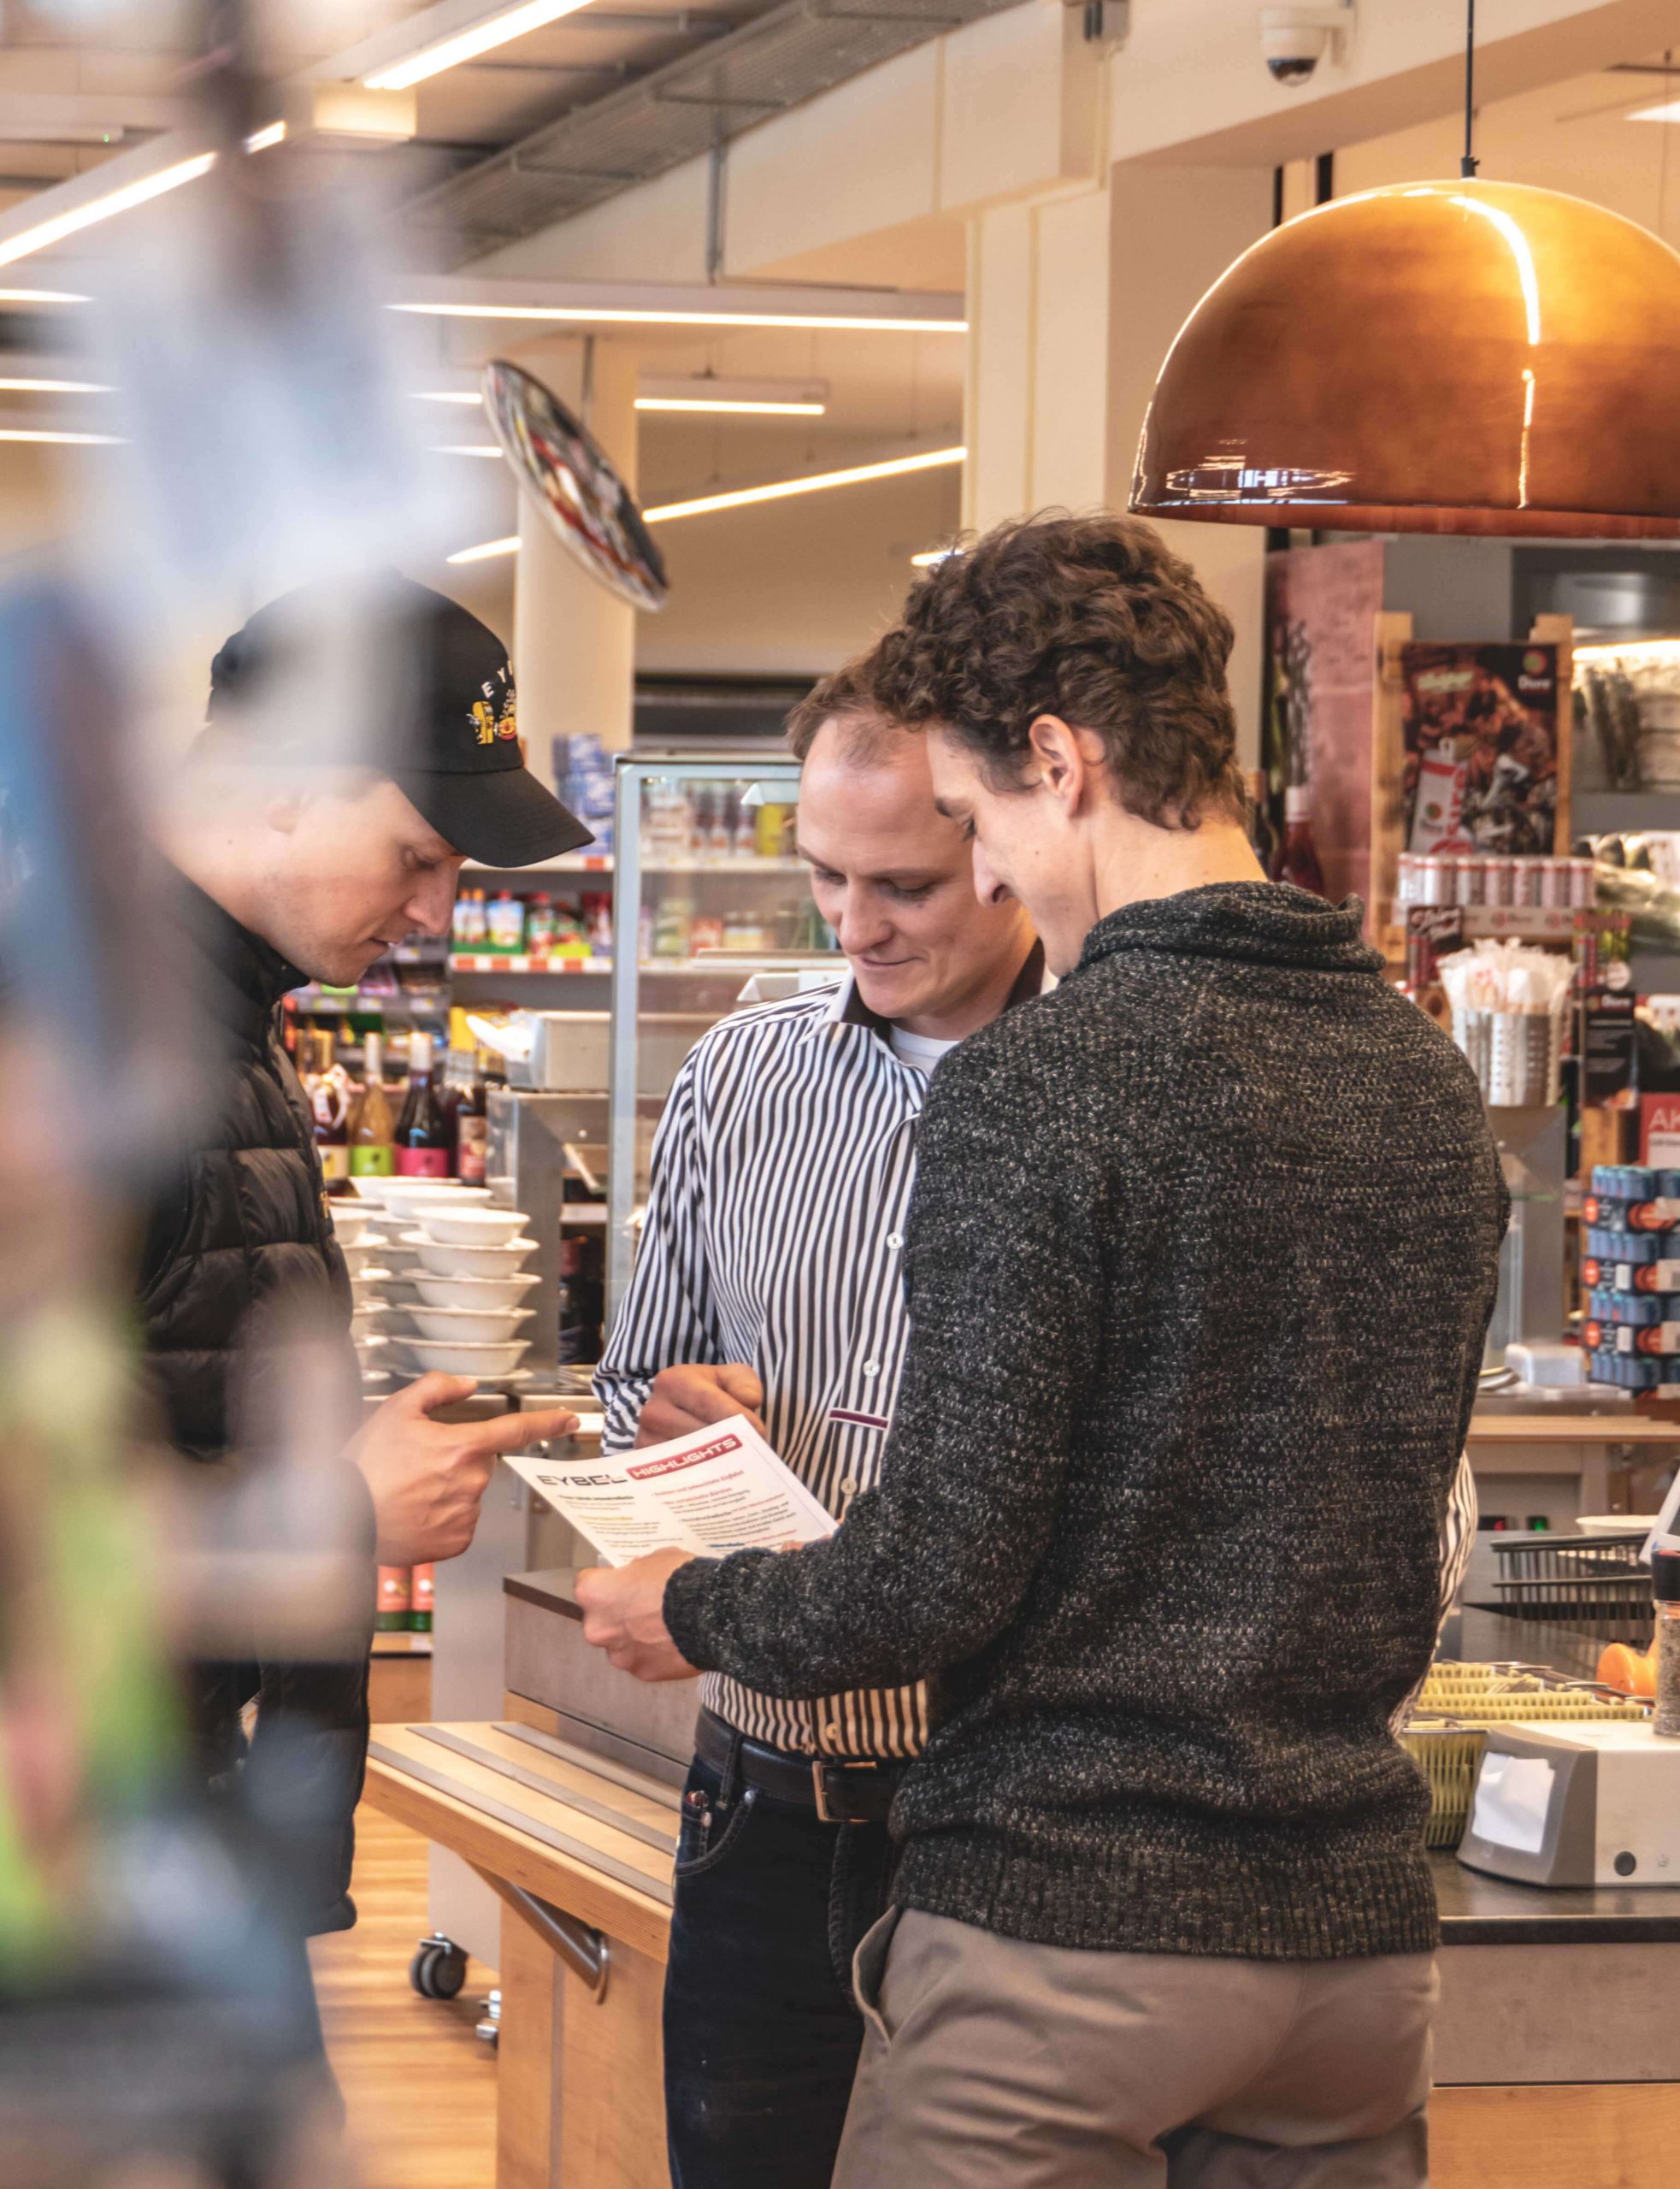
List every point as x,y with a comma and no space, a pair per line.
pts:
1199,1264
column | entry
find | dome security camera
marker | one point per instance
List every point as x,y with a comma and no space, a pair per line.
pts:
1294,40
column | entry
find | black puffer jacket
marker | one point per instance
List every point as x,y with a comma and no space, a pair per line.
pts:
239,1250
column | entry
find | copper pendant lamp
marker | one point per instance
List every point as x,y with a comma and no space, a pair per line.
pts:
1457,357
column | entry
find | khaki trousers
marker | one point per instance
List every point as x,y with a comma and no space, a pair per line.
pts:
990,2064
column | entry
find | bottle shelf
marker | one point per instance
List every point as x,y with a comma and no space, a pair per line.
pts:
581,863
694,968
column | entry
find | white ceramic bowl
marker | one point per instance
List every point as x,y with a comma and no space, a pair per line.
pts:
403,1194
367,1281
349,1221
358,1259
470,1227
488,1325
440,1260
460,1357
472,1291
1615,1523
369,1319
369,1345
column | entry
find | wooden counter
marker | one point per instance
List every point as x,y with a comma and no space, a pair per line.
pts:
580,1852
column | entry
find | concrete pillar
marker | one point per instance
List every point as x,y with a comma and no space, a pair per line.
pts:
1173,231
575,643
1036,414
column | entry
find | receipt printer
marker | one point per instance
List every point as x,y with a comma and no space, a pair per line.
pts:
1586,1804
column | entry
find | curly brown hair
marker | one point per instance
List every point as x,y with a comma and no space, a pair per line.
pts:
1093,619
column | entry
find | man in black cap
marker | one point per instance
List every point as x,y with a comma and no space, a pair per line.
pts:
360,746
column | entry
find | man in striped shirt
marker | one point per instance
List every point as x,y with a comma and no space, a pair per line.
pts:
768,1282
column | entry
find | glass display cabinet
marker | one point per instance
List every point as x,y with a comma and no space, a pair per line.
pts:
711,908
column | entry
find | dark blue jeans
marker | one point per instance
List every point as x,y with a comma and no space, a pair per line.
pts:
761,2037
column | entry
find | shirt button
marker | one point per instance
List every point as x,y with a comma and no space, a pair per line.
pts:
831,1733
871,1367
849,1487
895,1239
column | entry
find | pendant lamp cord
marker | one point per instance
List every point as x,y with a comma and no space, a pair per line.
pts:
1467,165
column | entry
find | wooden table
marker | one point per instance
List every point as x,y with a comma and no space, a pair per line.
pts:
580,1851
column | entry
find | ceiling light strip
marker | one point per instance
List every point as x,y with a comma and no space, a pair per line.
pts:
21,386
857,475
63,440
44,233
467,45
489,548
721,406
624,315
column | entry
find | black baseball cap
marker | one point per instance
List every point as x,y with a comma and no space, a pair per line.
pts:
447,732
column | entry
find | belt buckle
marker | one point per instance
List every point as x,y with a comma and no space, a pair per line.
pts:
819,1779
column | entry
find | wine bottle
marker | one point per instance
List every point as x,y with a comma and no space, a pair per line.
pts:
472,1129
372,1132
423,1137
1300,864
329,1097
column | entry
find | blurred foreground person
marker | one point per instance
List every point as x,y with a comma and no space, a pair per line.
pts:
322,815
1199,1264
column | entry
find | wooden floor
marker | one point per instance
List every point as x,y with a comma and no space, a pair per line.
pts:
419,2087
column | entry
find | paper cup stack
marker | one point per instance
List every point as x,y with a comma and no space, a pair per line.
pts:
453,1280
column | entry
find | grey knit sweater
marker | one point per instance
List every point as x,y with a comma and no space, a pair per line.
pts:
1199,1265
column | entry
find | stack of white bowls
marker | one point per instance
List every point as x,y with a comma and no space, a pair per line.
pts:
455,1279
361,1245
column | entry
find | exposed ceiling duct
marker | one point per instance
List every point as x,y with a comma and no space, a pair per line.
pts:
676,113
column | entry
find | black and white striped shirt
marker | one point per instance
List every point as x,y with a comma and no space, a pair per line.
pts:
781,1179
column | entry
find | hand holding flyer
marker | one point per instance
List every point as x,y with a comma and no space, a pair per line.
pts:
716,1490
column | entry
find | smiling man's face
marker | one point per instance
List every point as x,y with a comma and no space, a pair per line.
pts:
350,869
895,881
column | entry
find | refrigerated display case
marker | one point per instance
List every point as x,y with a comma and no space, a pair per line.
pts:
709,902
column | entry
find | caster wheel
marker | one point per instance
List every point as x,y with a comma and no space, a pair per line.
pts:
439,1969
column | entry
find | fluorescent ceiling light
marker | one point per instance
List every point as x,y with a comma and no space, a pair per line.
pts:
623,316
466,448
17,386
482,554
466,45
447,395
709,392
721,406
742,497
44,233
817,482
1665,110
68,440
934,555
41,296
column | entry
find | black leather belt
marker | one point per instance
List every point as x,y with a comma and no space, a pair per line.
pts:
840,1791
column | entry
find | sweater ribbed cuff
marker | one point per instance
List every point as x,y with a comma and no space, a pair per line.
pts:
686,1609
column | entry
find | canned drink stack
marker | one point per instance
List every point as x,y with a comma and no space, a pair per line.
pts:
1499,879
1468,878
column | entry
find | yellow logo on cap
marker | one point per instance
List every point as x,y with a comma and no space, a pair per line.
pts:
484,722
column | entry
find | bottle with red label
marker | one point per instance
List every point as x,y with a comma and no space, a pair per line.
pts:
420,1616
1298,863
423,1141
